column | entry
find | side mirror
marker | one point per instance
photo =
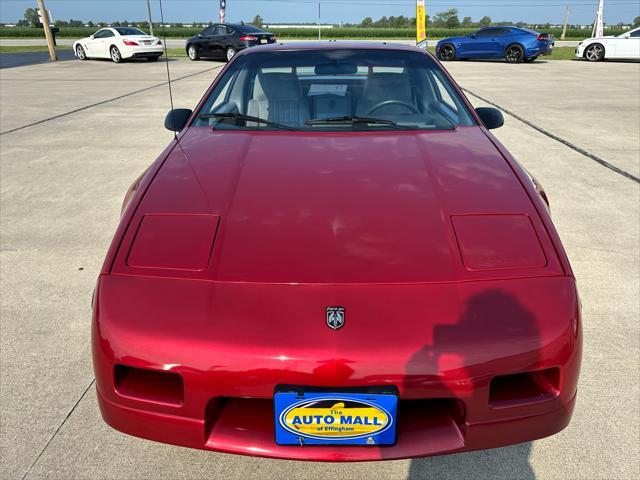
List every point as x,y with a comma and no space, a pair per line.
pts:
91,37
473,35
491,117
176,119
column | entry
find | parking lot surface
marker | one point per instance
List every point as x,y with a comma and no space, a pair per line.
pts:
74,135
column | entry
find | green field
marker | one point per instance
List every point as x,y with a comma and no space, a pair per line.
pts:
288,33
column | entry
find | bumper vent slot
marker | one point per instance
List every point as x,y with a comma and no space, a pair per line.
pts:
149,385
524,388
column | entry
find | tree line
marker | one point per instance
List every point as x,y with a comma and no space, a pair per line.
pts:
447,19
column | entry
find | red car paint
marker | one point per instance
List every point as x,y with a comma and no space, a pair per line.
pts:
393,225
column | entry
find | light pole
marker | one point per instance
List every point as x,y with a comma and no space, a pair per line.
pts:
47,30
150,21
319,28
566,22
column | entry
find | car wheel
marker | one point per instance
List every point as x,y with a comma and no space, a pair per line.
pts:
514,54
531,60
447,52
192,52
80,53
115,54
230,53
594,52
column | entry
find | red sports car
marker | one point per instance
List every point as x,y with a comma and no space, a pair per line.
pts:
336,260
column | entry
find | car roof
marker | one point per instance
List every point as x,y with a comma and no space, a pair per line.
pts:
331,45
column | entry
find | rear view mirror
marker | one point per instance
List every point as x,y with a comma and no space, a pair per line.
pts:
491,117
336,69
176,119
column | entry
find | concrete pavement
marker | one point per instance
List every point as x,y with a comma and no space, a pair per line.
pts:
61,184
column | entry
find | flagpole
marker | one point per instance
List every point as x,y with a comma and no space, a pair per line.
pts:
598,24
222,10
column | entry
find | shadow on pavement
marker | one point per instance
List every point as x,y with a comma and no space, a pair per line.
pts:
22,59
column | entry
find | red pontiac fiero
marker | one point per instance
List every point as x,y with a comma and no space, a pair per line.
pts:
336,260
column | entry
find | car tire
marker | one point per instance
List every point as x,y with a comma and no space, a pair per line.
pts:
192,53
530,60
115,54
80,53
153,59
447,53
514,54
594,52
230,53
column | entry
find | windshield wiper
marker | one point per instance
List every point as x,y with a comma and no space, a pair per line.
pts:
245,118
355,120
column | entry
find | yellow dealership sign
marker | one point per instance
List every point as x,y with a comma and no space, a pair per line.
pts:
421,28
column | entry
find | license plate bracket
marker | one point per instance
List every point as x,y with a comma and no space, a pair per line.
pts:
335,417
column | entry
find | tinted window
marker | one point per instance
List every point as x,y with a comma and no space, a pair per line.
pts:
528,30
635,34
208,31
248,29
488,32
129,31
103,34
298,87
221,30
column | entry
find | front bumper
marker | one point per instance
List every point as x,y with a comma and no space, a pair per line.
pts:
442,365
235,431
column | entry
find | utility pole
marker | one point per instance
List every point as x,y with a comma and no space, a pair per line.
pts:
150,21
319,28
47,30
566,22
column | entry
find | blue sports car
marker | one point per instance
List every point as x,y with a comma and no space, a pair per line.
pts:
515,44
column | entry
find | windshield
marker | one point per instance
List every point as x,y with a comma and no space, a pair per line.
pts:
337,89
129,31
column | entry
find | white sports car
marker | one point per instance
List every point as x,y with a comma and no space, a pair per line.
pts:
119,44
624,46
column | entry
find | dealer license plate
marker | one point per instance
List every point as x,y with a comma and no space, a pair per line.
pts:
263,40
321,418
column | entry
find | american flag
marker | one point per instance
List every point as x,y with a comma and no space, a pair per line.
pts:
223,6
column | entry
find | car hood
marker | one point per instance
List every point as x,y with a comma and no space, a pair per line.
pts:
334,207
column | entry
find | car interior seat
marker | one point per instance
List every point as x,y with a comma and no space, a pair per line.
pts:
278,97
381,87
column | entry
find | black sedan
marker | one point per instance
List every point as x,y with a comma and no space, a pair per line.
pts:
223,40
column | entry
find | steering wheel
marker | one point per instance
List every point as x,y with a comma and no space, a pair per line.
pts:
392,102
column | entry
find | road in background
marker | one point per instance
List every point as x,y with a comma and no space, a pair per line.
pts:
73,152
